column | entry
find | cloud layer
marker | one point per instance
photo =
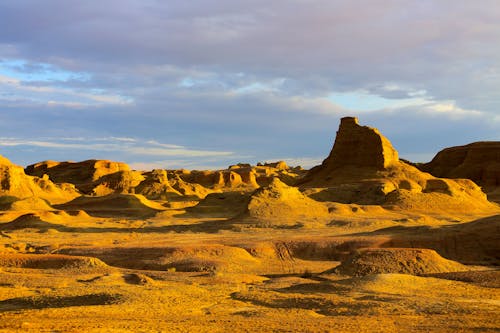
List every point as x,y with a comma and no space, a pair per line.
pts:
263,79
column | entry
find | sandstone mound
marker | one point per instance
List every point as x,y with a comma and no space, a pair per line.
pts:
478,161
28,204
364,168
137,278
210,258
27,221
118,182
221,205
280,165
240,176
190,189
114,205
95,177
49,261
156,186
266,172
281,205
475,243
78,173
235,177
15,183
186,258
397,260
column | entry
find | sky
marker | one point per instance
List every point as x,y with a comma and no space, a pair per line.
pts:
209,83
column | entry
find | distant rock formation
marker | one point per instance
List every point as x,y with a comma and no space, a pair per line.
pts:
89,174
478,161
16,185
364,168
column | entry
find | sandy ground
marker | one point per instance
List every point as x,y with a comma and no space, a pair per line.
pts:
195,274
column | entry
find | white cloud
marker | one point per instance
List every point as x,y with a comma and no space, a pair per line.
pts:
127,145
57,96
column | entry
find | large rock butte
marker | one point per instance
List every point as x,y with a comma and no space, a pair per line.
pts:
360,146
364,168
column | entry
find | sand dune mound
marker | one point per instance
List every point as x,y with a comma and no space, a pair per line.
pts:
27,221
397,260
114,204
183,258
227,204
15,183
281,205
137,278
49,261
27,204
210,258
364,168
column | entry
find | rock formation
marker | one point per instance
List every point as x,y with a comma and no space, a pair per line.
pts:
156,186
16,185
364,168
360,146
241,176
281,205
108,176
397,260
478,161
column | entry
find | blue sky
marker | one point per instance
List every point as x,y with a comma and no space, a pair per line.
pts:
204,85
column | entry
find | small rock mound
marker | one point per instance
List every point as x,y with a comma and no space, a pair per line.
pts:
29,204
49,261
397,260
114,204
281,205
27,221
209,258
137,278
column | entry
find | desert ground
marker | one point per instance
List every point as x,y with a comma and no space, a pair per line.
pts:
364,242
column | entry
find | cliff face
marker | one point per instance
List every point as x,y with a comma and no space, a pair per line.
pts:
360,146
356,147
478,161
